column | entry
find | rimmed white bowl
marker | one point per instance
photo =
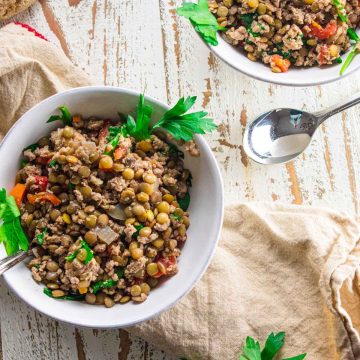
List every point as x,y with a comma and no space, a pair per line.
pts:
295,76
206,211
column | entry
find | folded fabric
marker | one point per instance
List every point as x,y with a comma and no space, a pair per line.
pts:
9,8
277,268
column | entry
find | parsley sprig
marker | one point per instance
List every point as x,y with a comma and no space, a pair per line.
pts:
176,121
65,116
11,232
251,349
353,52
202,19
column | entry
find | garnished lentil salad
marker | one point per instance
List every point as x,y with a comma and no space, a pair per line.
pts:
104,203
282,34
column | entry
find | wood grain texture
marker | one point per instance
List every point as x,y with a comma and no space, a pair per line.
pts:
143,45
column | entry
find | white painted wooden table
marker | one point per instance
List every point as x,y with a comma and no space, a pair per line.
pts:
142,44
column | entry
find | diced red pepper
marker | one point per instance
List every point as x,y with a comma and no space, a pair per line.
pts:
18,192
120,152
44,196
323,33
104,132
168,263
280,62
42,160
41,182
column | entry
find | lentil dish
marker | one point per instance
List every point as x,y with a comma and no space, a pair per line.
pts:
106,222
291,32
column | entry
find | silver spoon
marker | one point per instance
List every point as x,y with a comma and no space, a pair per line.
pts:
10,261
280,135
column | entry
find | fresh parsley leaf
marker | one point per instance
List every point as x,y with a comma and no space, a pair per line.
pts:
23,163
251,349
298,357
246,19
176,217
71,186
32,147
143,114
107,283
115,134
202,19
352,34
183,126
74,297
85,246
184,202
273,344
353,52
11,232
138,228
65,116
340,10
40,237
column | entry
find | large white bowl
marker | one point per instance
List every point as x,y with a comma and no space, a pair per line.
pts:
206,211
296,76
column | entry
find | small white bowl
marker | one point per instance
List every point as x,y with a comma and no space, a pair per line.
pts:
295,76
206,211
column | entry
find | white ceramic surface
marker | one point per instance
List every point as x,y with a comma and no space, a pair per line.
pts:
295,76
206,211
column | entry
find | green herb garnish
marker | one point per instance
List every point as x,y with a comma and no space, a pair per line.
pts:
353,52
183,126
32,147
184,202
65,116
202,19
71,186
352,34
251,349
54,164
85,246
138,228
23,163
246,19
107,283
340,10
74,297
176,217
40,237
115,134
11,232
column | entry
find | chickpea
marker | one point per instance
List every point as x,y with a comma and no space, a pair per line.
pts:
90,221
145,231
106,162
68,132
164,207
149,178
90,298
146,188
152,269
137,253
52,266
142,197
128,174
103,220
81,255
138,210
90,237
162,218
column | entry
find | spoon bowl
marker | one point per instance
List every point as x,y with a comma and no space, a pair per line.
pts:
279,135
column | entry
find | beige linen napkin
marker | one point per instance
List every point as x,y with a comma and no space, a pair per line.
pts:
277,268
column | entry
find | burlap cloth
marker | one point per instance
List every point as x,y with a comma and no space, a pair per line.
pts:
277,268
9,8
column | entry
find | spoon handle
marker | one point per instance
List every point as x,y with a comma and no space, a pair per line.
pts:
10,261
325,114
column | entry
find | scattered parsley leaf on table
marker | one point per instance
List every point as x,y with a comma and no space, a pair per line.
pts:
202,19
274,342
